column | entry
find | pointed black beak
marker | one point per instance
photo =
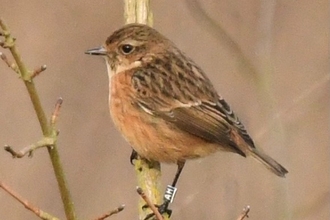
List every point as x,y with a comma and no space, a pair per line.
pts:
101,51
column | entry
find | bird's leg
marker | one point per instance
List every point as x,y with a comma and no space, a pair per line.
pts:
169,193
178,172
171,189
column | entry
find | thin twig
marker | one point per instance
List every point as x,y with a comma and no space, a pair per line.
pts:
37,71
11,65
149,203
44,142
56,112
115,211
38,212
244,213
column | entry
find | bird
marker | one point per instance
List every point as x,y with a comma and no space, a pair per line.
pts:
164,104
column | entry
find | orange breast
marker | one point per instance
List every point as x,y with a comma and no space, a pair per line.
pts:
151,137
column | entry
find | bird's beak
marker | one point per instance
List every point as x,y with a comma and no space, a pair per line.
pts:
101,51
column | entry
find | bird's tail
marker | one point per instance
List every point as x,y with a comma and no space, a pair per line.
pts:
269,162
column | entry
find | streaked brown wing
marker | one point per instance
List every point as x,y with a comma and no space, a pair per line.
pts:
203,123
188,100
223,107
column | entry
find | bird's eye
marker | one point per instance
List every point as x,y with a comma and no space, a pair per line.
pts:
126,48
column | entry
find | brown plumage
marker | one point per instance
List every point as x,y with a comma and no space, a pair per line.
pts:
164,104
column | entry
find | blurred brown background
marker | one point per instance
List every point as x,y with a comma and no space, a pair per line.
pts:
283,99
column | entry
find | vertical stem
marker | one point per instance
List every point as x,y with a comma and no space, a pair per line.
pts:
138,11
148,177
148,173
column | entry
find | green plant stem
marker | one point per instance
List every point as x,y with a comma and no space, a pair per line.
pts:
148,173
45,127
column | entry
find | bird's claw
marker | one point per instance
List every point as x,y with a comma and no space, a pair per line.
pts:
134,156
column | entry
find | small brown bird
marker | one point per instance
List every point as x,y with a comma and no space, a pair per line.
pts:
164,104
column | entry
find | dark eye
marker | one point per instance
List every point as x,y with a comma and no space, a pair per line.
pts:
126,48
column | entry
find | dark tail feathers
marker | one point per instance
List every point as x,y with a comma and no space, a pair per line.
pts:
269,162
